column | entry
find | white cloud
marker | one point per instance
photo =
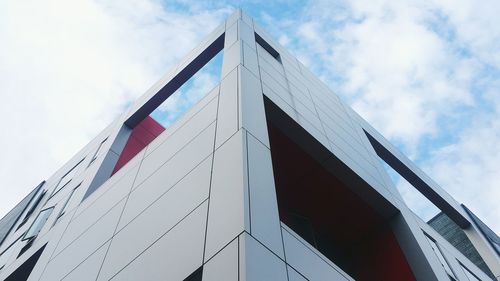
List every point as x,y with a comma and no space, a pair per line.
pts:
67,68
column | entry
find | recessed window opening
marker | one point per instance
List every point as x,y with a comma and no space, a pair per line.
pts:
423,207
319,205
38,224
416,201
177,96
191,92
268,48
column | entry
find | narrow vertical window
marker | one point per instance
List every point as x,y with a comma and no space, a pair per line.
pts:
64,207
66,179
96,154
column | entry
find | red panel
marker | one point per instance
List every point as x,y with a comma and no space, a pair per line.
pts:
130,150
383,260
152,126
142,135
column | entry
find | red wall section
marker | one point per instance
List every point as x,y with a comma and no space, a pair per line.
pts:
382,260
142,135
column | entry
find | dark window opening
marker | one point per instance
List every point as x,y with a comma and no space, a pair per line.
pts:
197,275
23,272
423,201
320,207
269,49
186,88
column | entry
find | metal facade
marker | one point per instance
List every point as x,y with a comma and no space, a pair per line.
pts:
202,194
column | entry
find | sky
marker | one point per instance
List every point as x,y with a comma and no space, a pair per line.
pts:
424,73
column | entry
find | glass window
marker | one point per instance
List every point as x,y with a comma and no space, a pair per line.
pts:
96,154
440,256
66,178
38,224
36,201
63,209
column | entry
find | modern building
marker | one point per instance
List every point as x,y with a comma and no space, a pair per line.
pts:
269,176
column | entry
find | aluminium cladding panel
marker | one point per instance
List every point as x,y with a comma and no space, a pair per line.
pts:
157,220
186,151
224,265
84,246
175,255
88,216
89,268
264,217
227,114
250,59
162,188
232,58
257,262
309,262
293,275
252,115
194,120
229,206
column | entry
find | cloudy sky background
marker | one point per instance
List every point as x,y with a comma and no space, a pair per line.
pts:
424,73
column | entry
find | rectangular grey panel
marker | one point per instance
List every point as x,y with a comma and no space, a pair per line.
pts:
86,218
232,58
227,114
187,126
161,188
175,255
224,265
191,153
265,221
88,270
84,246
258,263
252,114
157,220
